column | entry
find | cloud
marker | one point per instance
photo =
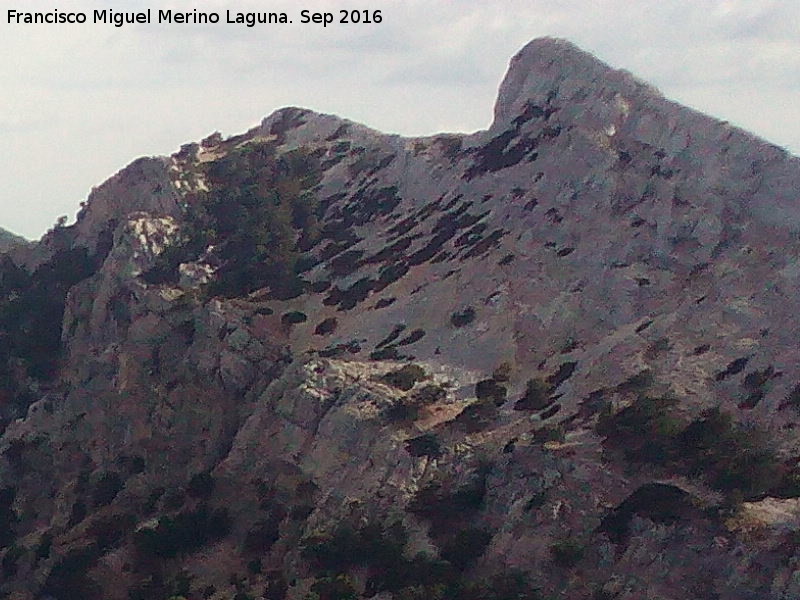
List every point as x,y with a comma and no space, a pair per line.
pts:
79,102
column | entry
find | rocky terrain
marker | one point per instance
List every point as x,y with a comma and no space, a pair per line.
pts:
9,240
553,359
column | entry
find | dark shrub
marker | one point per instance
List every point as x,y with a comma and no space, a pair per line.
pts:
68,579
77,514
372,545
733,458
564,372
294,317
476,417
10,560
553,410
536,396
326,327
567,553
645,430
430,394
254,567
132,465
109,531
426,444
201,485
263,534
32,309
412,338
638,383
384,302
489,389
152,500
404,378
186,532
8,517
407,408
277,587
659,502
462,318
107,487
445,506
554,433
502,373
44,546
387,353
734,367
466,547
339,587
792,399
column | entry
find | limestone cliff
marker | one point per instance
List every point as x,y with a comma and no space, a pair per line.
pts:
556,358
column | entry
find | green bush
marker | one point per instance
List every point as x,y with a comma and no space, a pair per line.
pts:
69,578
446,505
109,531
730,456
339,587
8,518
45,545
32,310
466,546
407,408
263,534
326,326
733,458
404,378
294,317
201,485
645,430
371,545
567,553
463,317
186,532
549,433
256,203
502,373
489,389
536,396
476,416
11,559
426,444
107,487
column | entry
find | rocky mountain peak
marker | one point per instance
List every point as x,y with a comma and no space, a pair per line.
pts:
548,68
554,358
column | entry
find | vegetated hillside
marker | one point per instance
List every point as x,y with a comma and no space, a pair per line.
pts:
556,358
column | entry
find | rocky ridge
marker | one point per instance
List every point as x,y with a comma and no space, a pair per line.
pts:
555,358
9,240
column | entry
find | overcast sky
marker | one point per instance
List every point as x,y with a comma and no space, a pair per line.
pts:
79,102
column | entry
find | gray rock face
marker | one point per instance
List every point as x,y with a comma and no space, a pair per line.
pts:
597,293
9,240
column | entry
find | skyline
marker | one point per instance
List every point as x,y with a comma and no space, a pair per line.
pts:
83,101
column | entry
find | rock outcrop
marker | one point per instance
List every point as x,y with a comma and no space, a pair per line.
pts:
9,240
554,358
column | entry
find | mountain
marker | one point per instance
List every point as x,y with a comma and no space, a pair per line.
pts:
555,358
9,240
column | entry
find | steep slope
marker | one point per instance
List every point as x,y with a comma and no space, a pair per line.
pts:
554,358
9,240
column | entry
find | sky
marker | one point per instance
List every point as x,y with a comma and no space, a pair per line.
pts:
79,102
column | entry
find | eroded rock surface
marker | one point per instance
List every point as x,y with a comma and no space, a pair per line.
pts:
556,358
